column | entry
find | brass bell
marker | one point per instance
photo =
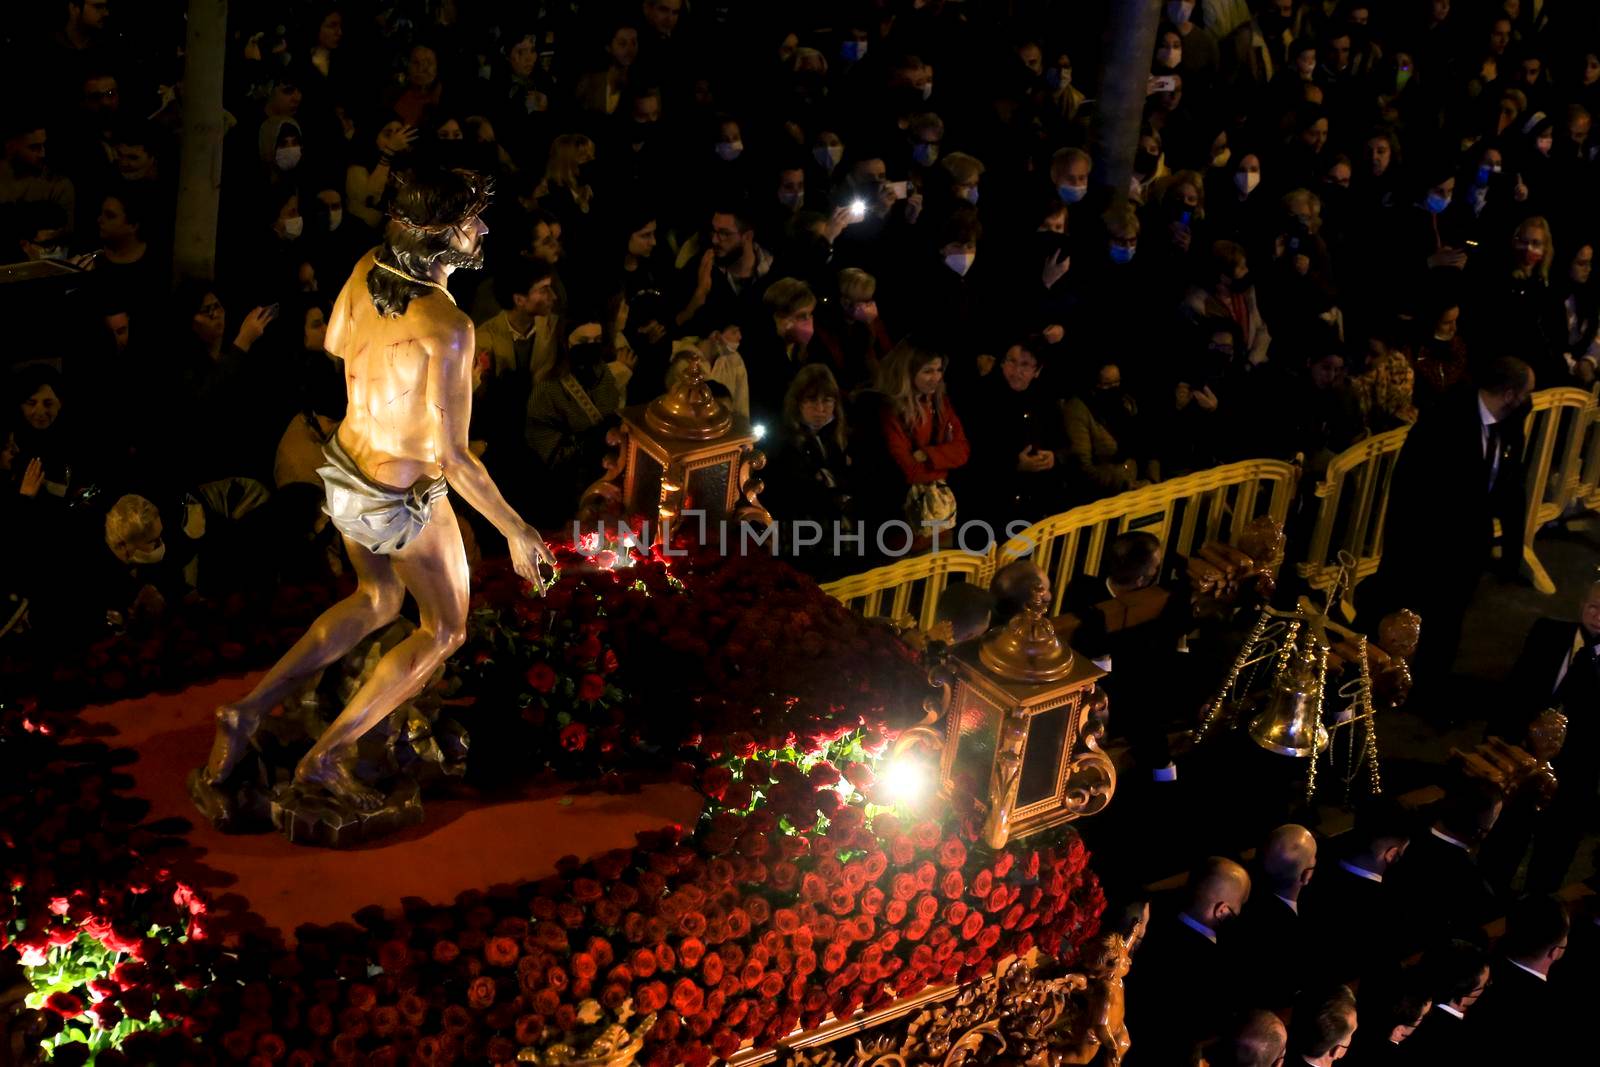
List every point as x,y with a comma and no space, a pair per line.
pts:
1291,722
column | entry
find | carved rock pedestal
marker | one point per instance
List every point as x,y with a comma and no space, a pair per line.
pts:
414,747
309,816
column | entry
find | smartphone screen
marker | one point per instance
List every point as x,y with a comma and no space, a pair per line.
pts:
899,189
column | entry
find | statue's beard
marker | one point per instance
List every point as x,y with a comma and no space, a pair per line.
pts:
460,260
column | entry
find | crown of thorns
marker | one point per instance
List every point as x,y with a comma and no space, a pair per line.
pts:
480,188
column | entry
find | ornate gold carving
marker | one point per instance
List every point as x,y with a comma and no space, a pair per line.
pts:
1021,1015
615,1047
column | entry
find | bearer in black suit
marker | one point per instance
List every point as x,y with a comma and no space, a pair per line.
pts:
1460,469
1442,891
1274,936
1560,667
1184,982
1520,1007
1458,973
1352,904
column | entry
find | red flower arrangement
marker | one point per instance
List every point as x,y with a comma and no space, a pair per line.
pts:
796,896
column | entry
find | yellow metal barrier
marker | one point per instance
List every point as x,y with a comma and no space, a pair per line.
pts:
1555,433
1562,454
919,578
1353,499
1183,514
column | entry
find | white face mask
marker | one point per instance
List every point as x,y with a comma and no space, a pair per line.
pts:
149,555
294,227
828,155
960,262
335,216
1178,11
1169,57
1247,180
287,157
927,88
730,150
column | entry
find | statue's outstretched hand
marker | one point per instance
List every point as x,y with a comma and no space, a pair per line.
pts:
528,550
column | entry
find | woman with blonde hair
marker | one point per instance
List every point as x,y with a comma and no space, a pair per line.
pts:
921,431
564,190
1518,312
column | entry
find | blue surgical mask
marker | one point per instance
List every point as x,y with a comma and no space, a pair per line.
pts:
788,197
1121,254
972,194
1056,77
851,51
828,155
960,262
1437,203
730,150
925,153
1071,194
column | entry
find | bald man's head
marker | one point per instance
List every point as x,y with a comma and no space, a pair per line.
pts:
1257,1039
1288,860
1217,892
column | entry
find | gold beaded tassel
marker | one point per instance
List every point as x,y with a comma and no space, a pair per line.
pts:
1246,650
1375,776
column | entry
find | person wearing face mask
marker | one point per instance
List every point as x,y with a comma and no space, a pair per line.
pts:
1528,319
1069,177
1581,302
1019,464
942,292
1234,210
280,142
1439,352
149,555
853,332
1226,291
922,437
1172,1010
827,152
1109,450
773,356
1199,56
923,135
810,476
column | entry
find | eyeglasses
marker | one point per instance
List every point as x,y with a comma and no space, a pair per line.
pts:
724,233
212,308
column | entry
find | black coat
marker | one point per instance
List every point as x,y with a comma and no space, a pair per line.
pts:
1442,891
1002,423
1441,474
1179,991
1276,941
1517,1013
1354,924
1531,688
1442,1039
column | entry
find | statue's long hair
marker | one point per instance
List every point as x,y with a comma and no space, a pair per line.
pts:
427,209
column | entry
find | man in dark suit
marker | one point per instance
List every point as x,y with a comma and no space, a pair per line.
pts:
1458,974
1459,471
1352,905
1559,667
1182,983
1391,1011
1275,938
1442,891
1322,1026
1520,1006
1255,1039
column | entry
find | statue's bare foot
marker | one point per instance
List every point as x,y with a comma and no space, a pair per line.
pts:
232,740
336,776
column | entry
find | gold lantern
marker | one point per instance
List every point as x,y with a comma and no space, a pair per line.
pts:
1020,721
685,451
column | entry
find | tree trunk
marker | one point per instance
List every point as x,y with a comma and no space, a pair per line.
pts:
1129,46
194,252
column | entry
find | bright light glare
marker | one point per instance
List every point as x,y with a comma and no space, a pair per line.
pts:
905,781
759,430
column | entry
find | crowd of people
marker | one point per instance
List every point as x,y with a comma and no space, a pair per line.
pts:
876,223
